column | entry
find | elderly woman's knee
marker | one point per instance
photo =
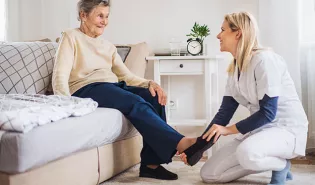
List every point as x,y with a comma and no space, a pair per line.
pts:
154,100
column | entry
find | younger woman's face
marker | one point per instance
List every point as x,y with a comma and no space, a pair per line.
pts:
228,38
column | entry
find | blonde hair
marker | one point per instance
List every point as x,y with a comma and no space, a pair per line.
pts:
248,42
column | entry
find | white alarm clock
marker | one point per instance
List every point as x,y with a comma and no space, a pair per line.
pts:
194,46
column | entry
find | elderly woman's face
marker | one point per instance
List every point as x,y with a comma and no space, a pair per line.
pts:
96,21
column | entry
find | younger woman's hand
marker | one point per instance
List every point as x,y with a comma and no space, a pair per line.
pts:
217,130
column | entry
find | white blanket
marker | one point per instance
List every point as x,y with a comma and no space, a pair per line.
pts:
21,113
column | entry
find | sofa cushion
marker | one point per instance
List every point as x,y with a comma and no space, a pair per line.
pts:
23,151
136,61
39,40
26,67
123,51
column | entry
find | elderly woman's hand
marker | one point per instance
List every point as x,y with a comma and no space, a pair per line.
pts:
154,89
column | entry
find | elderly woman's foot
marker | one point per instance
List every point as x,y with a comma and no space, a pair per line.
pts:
156,172
185,143
280,177
194,153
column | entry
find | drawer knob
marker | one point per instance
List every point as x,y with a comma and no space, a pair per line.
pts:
181,65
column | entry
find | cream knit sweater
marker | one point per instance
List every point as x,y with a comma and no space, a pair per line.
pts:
81,60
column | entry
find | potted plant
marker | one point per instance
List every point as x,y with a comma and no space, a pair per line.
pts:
198,33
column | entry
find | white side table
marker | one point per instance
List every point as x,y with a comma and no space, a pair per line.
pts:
190,65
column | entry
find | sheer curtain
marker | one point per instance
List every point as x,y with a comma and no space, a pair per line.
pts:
2,20
307,60
279,29
308,90
288,27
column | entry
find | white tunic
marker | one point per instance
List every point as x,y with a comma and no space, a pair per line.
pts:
267,74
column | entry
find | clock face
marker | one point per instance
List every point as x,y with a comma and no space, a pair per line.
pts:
194,47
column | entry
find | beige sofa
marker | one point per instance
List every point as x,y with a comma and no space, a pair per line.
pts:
85,167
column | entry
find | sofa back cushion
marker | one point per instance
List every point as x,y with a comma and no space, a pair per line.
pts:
136,58
123,52
26,67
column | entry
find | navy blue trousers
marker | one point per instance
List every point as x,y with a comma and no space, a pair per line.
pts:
144,112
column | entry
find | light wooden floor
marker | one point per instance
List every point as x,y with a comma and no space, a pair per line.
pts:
310,160
305,160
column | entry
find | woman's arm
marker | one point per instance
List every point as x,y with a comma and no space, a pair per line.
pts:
63,65
266,114
268,77
221,119
123,73
227,108
226,111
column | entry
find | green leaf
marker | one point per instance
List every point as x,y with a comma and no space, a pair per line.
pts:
199,31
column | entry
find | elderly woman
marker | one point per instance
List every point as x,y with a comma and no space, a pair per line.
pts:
276,130
88,66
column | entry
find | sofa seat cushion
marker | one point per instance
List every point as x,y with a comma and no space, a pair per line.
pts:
21,152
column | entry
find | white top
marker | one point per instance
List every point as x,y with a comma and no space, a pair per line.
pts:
267,74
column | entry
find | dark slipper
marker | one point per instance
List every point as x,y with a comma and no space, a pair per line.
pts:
159,173
194,152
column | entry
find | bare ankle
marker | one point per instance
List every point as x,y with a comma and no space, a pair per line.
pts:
185,143
181,144
152,166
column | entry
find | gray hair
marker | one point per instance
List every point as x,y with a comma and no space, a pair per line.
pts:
88,5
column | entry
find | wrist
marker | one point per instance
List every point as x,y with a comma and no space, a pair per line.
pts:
149,83
233,129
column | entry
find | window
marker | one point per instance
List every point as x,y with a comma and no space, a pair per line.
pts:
2,20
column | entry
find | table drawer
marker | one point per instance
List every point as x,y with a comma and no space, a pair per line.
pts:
181,66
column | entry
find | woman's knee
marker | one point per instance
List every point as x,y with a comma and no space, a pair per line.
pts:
154,100
208,174
248,156
209,179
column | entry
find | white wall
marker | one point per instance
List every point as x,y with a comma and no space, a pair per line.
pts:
2,19
155,22
13,19
24,20
58,15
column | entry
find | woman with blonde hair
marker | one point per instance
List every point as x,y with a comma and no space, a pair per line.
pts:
275,131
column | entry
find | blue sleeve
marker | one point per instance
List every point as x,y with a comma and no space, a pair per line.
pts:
226,111
266,113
